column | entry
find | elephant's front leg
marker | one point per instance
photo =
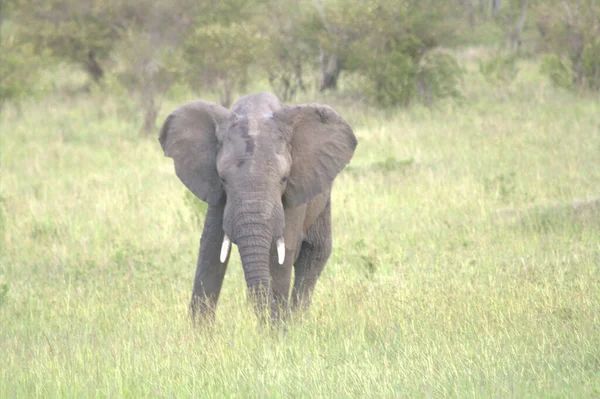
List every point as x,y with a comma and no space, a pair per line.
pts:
281,275
210,270
313,255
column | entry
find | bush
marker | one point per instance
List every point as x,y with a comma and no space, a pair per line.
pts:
559,70
439,76
409,72
397,51
393,76
590,63
79,32
571,34
219,56
500,69
18,64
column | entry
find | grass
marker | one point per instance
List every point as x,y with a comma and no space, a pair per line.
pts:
431,290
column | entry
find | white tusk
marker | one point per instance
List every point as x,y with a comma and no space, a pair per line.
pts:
280,250
225,248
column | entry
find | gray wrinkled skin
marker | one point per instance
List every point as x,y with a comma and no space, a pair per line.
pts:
266,171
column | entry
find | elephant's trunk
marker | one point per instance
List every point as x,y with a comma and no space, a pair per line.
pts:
253,234
254,251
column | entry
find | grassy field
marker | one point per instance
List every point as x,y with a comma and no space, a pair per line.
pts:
462,265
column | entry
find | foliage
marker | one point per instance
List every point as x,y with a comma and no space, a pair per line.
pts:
500,69
400,51
439,76
4,290
148,72
81,32
289,47
400,79
559,70
391,44
219,57
17,65
131,39
512,17
571,33
19,62
223,45
148,56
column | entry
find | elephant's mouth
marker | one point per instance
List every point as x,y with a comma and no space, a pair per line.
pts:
226,246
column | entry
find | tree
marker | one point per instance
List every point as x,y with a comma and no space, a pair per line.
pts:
149,51
336,25
81,32
512,18
570,30
219,57
18,61
288,47
222,47
385,41
496,5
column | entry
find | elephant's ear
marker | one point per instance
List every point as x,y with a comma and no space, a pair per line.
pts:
188,136
322,144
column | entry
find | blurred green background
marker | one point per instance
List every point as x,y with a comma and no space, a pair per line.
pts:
389,52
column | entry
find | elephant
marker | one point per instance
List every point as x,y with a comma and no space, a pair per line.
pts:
266,171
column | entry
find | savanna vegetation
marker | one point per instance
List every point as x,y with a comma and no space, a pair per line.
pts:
466,257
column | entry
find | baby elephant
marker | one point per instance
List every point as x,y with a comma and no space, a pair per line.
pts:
266,171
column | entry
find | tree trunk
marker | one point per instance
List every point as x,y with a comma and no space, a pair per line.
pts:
93,68
330,71
299,79
225,95
470,10
149,106
514,38
483,7
150,114
496,5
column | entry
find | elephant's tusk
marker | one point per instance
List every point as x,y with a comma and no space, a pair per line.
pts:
280,250
225,248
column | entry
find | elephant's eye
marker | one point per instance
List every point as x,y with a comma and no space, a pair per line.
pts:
284,179
223,181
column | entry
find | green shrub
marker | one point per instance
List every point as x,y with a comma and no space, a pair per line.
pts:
399,79
17,66
500,69
590,63
439,76
571,35
4,288
393,76
218,56
559,70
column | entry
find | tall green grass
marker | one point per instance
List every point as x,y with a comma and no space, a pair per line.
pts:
460,268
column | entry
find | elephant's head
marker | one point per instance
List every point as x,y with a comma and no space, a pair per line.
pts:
256,166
